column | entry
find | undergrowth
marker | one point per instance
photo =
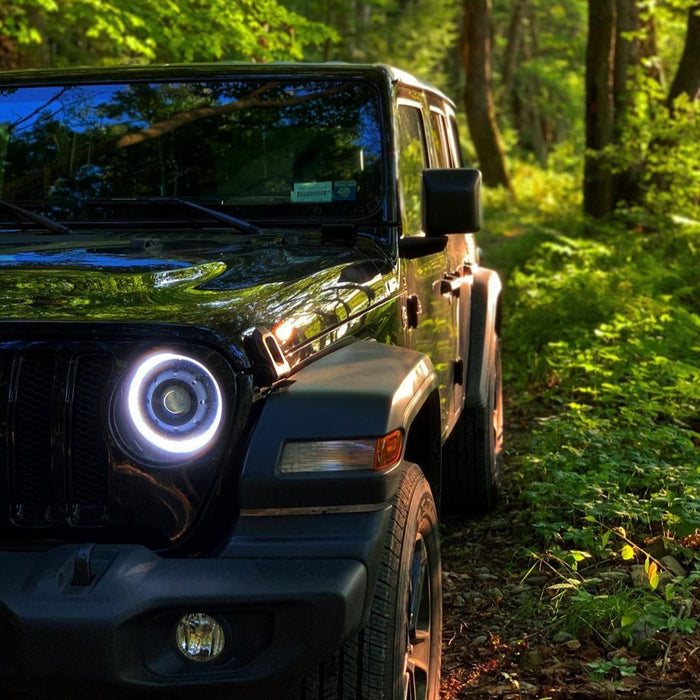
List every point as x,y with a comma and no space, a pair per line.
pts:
602,363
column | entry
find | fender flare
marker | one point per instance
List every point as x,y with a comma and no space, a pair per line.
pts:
364,389
484,330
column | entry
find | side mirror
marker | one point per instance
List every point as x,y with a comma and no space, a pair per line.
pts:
451,201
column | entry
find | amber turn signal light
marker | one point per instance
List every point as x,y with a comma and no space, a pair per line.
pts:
387,450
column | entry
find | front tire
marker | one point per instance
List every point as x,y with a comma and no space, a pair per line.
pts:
397,655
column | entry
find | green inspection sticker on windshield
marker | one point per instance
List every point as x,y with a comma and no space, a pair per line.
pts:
326,191
344,191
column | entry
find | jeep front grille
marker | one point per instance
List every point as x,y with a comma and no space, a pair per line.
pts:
54,461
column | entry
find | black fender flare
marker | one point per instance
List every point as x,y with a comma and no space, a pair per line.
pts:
484,330
364,389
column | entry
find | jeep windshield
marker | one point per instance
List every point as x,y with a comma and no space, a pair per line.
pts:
264,149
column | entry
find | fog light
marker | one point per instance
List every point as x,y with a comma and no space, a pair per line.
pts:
199,637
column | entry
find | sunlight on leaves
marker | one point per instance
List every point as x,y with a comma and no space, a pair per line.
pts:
653,574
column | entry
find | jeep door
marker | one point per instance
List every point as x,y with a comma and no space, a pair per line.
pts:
432,318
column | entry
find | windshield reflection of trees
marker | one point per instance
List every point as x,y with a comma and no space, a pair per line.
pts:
237,143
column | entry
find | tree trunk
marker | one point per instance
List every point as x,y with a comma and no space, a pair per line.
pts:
476,57
626,55
513,56
687,78
37,55
537,121
9,56
627,182
513,44
523,95
649,51
600,54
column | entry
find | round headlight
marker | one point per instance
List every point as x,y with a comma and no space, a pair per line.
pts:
171,406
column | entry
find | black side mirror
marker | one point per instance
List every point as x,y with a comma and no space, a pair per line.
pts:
451,201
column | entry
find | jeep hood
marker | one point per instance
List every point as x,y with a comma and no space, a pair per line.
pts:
309,288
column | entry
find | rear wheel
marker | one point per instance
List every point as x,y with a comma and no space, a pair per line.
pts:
397,655
472,454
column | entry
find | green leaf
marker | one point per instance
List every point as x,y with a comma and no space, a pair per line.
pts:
580,555
628,620
627,670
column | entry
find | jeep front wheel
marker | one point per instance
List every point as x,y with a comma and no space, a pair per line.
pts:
415,599
397,655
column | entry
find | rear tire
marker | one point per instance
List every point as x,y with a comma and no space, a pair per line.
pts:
472,456
397,655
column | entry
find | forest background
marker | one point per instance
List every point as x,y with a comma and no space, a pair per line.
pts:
584,118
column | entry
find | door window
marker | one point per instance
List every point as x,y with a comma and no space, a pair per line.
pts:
438,135
455,149
413,159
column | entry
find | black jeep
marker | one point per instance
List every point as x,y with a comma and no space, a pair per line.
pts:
246,345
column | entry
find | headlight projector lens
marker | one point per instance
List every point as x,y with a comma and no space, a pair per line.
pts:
171,407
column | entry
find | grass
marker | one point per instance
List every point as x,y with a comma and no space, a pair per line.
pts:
602,357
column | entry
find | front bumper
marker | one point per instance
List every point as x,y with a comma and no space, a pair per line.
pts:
282,612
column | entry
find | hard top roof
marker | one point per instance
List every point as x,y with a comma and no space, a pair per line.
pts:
375,72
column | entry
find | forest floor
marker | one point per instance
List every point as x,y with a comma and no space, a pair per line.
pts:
499,638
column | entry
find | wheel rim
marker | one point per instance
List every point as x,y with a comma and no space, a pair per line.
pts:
497,421
418,642
497,413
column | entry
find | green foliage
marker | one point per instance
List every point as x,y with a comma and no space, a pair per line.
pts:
614,613
547,85
15,19
612,350
92,31
418,35
618,665
602,363
670,17
421,37
659,145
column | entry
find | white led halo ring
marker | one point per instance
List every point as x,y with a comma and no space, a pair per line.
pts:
173,443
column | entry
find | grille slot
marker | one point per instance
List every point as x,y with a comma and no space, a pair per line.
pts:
31,462
88,457
55,453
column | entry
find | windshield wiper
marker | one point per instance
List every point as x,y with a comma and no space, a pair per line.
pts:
44,221
238,224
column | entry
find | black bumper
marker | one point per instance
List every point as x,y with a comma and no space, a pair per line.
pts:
281,613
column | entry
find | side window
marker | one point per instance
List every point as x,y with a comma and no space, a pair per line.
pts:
438,136
413,158
455,148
